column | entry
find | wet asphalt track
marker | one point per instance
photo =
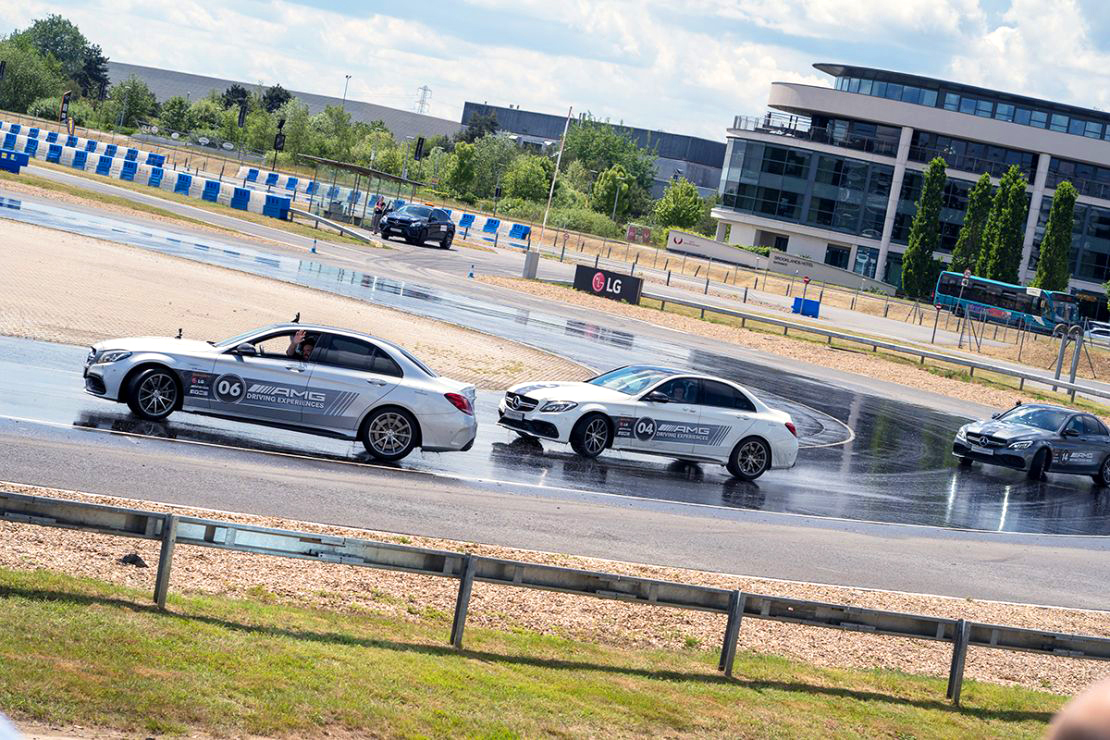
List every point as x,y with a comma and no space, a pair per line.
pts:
864,457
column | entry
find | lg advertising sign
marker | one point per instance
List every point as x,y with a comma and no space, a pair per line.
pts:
607,284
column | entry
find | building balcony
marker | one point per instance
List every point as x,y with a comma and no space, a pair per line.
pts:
800,128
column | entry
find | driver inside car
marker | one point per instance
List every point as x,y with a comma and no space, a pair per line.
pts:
301,346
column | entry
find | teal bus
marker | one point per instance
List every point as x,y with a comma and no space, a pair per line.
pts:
1004,303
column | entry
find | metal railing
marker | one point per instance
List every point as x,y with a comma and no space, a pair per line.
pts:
172,530
800,127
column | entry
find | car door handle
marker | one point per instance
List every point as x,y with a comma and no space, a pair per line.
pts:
295,369
374,381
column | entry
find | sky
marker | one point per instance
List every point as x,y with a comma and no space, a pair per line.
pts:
685,67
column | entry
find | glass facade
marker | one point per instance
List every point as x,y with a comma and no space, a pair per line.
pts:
821,190
1090,241
980,105
1088,179
970,156
953,208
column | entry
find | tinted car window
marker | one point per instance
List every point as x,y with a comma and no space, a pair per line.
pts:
415,211
1093,426
680,390
724,396
439,215
354,354
1076,425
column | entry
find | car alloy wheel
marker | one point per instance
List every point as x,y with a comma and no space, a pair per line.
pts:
750,459
590,436
446,243
1102,477
154,395
390,435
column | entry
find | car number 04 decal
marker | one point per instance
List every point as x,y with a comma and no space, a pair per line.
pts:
645,429
229,388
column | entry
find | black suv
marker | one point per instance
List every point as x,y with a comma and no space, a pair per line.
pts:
419,224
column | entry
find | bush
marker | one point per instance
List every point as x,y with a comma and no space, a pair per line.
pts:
520,209
764,251
585,220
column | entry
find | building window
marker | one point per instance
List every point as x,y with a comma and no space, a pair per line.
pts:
865,87
1059,122
893,91
1038,119
951,101
984,108
967,105
929,98
853,85
1077,126
837,256
1093,130
867,259
1004,112
1021,115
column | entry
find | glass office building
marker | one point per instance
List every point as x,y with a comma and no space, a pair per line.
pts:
834,173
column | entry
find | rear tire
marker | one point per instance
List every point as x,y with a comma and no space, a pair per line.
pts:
1102,477
390,434
446,243
153,394
1038,465
750,458
591,435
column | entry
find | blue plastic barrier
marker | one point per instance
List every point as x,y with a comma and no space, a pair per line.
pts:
465,222
184,183
240,197
54,153
16,128
271,179
156,160
353,196
9,140
491,226
291,183
398,203
51,137
12,161
31,147
313,188
252,175
91,144
110,150
80,159
71,141
104,165
131,156
128,170
155,179
32,133
807,307
277,206
333,192
520,235
211,191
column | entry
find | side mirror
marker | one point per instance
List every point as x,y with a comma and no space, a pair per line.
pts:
1069,433
657,397
246,349
996,414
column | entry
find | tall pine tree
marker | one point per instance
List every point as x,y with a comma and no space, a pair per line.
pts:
966,253
919,268
1000,255
1053,271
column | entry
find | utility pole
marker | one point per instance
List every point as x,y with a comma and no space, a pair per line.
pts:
558,161
425,96
345,83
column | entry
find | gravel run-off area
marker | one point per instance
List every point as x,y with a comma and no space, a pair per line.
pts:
407,596
63,287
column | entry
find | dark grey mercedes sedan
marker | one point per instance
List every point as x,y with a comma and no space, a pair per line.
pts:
1038,438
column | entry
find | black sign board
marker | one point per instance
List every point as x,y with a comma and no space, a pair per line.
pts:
419,153
63,113
3,67
242,115
608,284
279,142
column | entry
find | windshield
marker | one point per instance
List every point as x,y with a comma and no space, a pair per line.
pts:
415,211
237,339
631,379
1048,419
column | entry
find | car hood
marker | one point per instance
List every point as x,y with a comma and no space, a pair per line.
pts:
570,391
1006,431
157,344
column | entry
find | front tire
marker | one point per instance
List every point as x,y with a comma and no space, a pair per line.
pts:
750,459
1102,477
964,462
420,238
153,394
390,434
591,435
1038,465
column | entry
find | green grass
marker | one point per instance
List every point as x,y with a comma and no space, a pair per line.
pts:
82,651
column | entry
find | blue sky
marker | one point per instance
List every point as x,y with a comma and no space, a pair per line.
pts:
683,67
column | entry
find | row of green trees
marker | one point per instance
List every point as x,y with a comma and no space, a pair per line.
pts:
990,239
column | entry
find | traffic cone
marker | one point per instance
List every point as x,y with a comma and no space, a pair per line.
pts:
313,250
471,273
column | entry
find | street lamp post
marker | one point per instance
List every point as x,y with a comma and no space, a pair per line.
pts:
345,83
617,198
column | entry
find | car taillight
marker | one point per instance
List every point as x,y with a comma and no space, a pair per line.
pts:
790,426
462,403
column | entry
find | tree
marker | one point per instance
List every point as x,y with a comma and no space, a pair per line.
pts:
58,37
1000,256
919,268
275,97
1053,270
80,112
610,190
680,206
93,78
132,101
236,95
297,127
493,156
526,178
479,125
460,170
599,146
206,114
29,76
966,253
177,115
260,128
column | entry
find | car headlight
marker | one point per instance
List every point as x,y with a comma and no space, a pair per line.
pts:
962,433
554,407
1023,445
112,355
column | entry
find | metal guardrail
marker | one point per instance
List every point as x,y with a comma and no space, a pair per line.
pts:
172,530
877,344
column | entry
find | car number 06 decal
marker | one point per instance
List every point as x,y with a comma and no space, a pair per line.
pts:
645,429
229,388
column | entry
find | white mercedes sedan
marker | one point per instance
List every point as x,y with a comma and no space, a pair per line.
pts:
658,411
315,379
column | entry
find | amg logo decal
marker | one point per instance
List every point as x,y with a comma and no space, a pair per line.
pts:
1068,457
285,396
646,429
